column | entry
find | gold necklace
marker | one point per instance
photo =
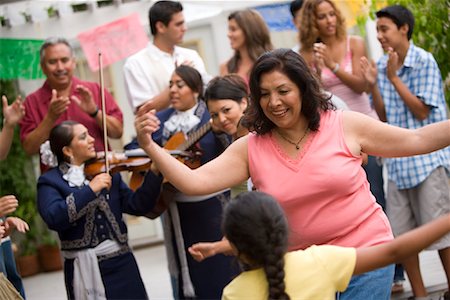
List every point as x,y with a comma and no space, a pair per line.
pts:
291,142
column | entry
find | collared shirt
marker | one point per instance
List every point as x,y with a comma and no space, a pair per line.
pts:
420,73
38,103
147,73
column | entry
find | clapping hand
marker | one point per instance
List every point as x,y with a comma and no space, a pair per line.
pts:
13,113
392,64
369,70
323,56
58,105
85,100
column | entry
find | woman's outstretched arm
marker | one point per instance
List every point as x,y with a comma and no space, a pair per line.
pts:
225,171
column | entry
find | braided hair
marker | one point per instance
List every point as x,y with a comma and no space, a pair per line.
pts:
255,224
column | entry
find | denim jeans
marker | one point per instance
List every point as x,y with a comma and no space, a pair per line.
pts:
8,266
373,285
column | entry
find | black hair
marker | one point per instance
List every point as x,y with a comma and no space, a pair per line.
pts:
230,86
400,15
295,6
192,78
61,136
291,64
162,11
256,225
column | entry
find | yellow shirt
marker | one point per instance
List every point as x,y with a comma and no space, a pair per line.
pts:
315,273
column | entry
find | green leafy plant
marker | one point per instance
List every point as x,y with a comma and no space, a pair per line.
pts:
17,178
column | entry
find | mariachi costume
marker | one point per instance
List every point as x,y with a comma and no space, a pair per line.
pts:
98,261
192,219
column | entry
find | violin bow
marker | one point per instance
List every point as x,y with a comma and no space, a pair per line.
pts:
102,94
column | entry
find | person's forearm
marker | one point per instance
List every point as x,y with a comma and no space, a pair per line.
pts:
114,126
39,135
402,247
159,102
378,103
357,83
419,109
6,137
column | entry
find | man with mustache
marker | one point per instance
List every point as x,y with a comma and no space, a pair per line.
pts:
65,97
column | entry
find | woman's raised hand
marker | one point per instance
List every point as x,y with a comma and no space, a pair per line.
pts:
369,70
13,113
146,123
100,182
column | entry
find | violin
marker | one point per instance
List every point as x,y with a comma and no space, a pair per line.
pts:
118,162
135,160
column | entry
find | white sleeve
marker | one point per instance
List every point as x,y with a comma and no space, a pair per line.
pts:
139,85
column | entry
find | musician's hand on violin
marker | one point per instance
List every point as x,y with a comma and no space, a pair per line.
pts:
100,182
146,123
58,105
84,100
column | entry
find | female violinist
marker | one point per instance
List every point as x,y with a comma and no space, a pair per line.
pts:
87,215
191,219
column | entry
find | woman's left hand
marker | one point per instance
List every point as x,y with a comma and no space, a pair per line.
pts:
146,123
321,52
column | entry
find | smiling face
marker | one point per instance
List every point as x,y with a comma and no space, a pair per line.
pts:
235,35
226,114
280,99
81,147
58,64
326,19
389,35
182,97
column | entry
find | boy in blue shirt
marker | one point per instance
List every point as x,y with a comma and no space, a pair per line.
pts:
407,91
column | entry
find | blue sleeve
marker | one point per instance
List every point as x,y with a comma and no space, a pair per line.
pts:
426,82
58,204
144,199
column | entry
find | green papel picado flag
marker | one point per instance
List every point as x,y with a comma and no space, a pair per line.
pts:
20,59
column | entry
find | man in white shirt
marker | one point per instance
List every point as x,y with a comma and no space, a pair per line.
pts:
147,73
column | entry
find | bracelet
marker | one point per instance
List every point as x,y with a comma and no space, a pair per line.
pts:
336,68
94,114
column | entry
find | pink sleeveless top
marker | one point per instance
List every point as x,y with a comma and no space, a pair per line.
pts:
356,102
324,193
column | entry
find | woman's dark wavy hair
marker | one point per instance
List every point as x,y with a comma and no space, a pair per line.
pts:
291,64
256,225
192,78
60,136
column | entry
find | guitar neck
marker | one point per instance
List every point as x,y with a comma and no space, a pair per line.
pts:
195,136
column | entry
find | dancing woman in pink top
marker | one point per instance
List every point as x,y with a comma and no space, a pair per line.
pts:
308,157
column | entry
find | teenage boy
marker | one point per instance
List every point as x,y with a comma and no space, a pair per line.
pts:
147,73
408,92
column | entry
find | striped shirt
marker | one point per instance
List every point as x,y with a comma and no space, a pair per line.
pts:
421,75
